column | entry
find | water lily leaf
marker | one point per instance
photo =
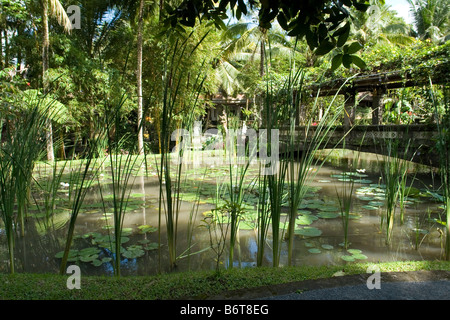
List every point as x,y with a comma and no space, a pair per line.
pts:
97,263
88,258
151,246
133,252
360,256
367,207
314,250
347,258
328,215
137,195
91,235
327,247
354,216
365,198
72,254
89,251
376,203
328,208
354,251
363,181
127,231
309,244
304,220
308,232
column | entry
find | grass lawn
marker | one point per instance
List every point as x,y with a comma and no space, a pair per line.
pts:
183,285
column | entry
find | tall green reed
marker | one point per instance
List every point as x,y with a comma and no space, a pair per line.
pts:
238,163
294,174
442,116
82,175
394,175
22,147
122,161
303,170
174,78
345,196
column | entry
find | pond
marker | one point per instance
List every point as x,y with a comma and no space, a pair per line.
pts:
318,237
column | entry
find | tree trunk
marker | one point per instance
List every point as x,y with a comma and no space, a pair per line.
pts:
45,63
139,80
5,36
161,8
263,57
1,48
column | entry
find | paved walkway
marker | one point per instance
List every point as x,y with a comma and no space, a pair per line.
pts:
428,290
417,285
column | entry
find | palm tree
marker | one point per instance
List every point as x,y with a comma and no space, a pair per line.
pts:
380,25
139,78
244,42
431,19
54,8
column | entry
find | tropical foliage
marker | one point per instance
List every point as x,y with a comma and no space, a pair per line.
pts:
136,72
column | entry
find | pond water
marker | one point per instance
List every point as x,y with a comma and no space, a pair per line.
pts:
318,239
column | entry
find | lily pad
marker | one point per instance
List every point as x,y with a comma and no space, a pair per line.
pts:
147,228
363,181
328,215
367,207
348,258
314,250
151,246
365,198
308,232
354,251
137,195
73,254
304,220
327,247
89,251
328,208
88,258
96,263
133,252
376,203
360,256
354,216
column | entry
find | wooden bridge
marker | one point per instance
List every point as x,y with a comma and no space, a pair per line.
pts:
416,142
375,86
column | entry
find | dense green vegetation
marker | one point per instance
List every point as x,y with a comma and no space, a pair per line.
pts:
90,108
188,285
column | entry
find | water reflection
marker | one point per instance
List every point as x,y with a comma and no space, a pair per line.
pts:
417,238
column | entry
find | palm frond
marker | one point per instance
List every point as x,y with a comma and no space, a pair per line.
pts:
58,11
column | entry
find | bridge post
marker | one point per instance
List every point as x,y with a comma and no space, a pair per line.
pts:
349,108
377,110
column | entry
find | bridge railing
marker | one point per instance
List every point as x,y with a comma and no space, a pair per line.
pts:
417,140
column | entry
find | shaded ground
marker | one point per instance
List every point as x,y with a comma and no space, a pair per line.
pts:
415,285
